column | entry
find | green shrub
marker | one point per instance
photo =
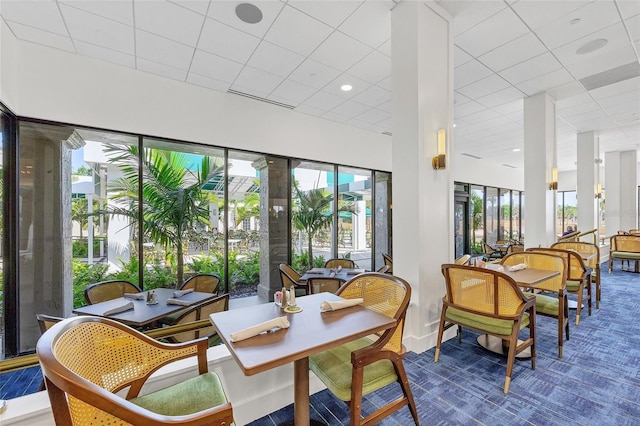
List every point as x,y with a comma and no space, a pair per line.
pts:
84,275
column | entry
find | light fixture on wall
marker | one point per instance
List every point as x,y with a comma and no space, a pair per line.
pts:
553,183
439,161
599,191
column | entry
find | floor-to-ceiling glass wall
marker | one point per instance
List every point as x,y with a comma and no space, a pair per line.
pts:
567,212
516,220
504,232
382,218
492,218
354,233
476,218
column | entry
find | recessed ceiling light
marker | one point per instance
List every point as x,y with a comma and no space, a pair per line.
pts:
346,87
248,13
516,149
574,21
592,46
454,124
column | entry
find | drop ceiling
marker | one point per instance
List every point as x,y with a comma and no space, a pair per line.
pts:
302,51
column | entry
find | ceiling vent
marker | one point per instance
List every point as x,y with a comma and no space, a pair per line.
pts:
509,165
614,75
472,156
387,133
258,98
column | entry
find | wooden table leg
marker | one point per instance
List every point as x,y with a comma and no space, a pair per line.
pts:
301,392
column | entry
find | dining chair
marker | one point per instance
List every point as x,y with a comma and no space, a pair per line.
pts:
578,275
593,262
490,302
463,260
553,306
384,269
86,361
204,283
319,285
197,312
290,277
490,253
108,290
365,365
388,260
345,263
45,322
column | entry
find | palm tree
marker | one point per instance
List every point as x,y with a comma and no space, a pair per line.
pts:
173,198
312,213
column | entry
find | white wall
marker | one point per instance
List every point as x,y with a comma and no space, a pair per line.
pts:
482,172
7,66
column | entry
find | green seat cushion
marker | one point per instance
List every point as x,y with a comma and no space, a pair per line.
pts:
573,286
625,255
484,323
546,304
188,397
333,367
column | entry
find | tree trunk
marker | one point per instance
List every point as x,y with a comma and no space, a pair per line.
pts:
179,263
310,236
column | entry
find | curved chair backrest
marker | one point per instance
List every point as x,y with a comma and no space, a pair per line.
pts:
463,260
572,236
539,260
576,267
198,312
388,261
289,277
45,322
385,294
345,263
204,283
320,285
384,269
582,247
108,290
625,242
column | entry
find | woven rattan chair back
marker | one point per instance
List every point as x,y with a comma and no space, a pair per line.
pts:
384,269
463,260
593,262
320,285
289,277
199,312
545,261
108,290
345,263
204,283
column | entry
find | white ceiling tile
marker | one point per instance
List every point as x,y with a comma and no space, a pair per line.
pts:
385,48
324,101
501,97
468,73
592,18
358,86
459,99
481,116
535,67
633,26
225,12
169,20
210,83
161,69
460,57
121,11
340,51
332,15
372,68
387,83
576,99
357,123
46,38
103,32
509,107
387,106
200,6
370,23
611,58
373,116
487,85
335,117
215,67
631,84
469,13
516,116
591,110
274,59
294,93
518,50
227,41
314,74
595,125
164,51
309,32
257,80
373,96
467,109
541,12
351,109
546,82
615,35
628,99
566,90
38,14
484,37
105,54
310,110
628,8
249,90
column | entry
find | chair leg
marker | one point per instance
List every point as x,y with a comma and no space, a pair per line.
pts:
589,295
440,333
355,405
513,343
406,389
579,307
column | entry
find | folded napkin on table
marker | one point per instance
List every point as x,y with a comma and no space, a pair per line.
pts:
178,302
315,271
518,267
135,296
125,307
340,304
332,274
279,322
180,293
355,272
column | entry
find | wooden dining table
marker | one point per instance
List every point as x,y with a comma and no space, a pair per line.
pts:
310,331
142,313
345,274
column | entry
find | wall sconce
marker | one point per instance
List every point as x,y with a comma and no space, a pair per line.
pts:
553,184
599,191
439,161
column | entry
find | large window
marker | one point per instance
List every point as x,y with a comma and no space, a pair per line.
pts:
567,211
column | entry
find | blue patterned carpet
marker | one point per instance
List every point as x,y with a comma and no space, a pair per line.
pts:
596,383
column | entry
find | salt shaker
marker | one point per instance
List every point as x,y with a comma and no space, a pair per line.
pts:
292,296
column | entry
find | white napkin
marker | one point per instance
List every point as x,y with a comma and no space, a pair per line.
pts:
332,274
340,304
180,293
135,296
178,302
279,322
355,272
518,267
125,307
315,271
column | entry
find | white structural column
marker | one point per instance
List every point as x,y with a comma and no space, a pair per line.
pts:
621,178
422,71
587,178
539,160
